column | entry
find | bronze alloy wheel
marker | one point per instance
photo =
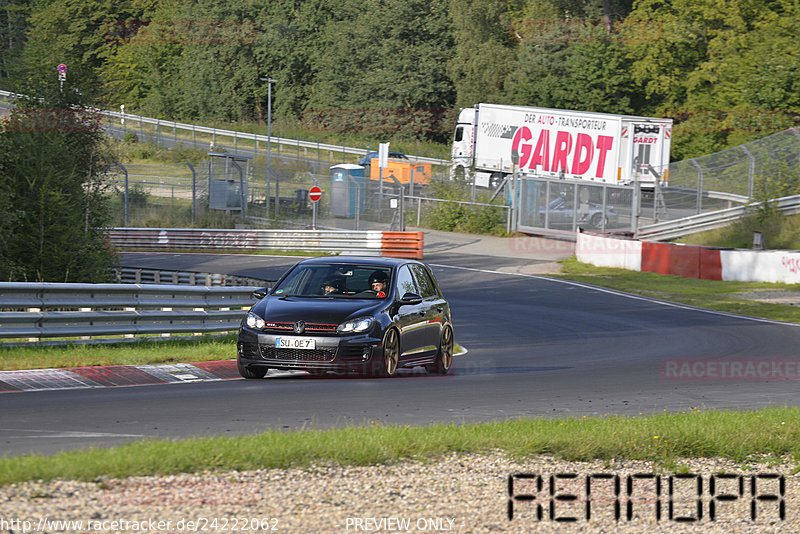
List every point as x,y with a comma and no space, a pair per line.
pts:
444,359
391,353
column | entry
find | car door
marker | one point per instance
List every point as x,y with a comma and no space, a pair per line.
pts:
410,317
433,306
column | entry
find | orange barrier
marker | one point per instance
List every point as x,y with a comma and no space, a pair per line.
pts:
402,244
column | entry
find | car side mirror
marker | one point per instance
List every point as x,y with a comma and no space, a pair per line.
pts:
260,293
410,299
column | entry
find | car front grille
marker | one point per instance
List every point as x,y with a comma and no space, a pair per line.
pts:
310,328
297,355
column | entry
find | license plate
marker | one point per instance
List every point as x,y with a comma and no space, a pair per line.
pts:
295,343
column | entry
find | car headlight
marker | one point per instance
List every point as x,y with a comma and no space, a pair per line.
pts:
362,324
254,321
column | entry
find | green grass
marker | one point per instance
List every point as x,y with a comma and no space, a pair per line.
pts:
134,353
664,438
715,295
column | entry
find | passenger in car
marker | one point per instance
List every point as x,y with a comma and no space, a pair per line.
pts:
333,286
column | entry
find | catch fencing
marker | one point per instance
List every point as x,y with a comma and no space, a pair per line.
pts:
178,194
30,312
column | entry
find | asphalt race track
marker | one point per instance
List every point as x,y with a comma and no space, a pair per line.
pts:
536,347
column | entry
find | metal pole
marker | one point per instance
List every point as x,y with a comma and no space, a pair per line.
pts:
269,81
751,171
194,190
314,215
636,206
124,170
380,193
796,133
402,209
699,185
358,204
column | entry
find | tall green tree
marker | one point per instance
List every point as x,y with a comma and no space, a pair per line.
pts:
78,33
178,64
484,49
13,25
715,66
389,57
571,60
50,158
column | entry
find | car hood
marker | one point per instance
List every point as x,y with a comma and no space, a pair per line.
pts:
315,310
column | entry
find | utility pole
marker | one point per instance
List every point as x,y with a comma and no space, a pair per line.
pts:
269,81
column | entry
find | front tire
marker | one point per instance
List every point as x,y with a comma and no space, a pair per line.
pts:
444,358
391,355
251,372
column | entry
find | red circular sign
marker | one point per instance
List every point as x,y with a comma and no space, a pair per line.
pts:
62,68
315,193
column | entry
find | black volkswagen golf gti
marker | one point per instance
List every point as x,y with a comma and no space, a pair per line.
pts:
369,315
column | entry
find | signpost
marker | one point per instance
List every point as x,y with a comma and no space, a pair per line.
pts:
383,162
514,192
62,76
314,194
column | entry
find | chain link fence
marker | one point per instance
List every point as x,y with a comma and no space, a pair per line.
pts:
731,177
563,206
165,194
207,194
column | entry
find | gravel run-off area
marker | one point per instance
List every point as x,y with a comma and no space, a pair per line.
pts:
456,493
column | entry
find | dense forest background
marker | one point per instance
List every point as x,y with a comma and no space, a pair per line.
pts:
726,70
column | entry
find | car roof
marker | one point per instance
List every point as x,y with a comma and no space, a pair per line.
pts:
378,261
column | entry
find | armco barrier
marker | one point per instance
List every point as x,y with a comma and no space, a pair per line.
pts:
61,310
363,243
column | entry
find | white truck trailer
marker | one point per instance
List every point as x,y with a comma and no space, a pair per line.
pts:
599,147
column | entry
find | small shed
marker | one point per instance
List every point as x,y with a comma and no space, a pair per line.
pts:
348,190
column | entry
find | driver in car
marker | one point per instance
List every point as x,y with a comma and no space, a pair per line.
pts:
378,282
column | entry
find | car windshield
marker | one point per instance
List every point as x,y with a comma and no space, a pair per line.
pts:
339,280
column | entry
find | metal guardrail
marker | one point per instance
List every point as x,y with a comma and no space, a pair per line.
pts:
240,135
61,310
363,243
708,221
130,275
